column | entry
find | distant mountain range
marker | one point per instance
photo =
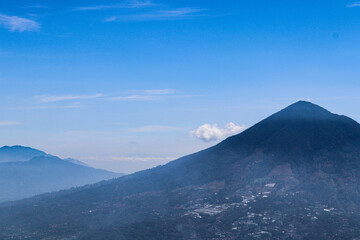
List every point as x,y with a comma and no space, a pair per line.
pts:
294,175
25,172
18,154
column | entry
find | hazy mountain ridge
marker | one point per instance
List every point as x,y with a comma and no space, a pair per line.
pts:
294,175
33,172
18,153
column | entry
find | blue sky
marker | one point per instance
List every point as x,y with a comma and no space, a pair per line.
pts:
126,85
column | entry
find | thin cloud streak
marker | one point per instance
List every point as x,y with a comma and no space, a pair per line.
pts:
153,128
141,159
127,158
18,24
50,99
133,98
9,123
117,6
353,5
160,91
152,97
146,95
37,6
71,106
160,15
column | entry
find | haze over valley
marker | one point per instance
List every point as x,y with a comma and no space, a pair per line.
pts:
26,172
179,120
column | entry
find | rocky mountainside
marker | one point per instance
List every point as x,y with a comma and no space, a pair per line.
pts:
294,175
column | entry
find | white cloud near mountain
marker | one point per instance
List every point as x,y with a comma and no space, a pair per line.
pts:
18,24
208,132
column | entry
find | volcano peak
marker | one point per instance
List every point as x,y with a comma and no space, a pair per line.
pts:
304,110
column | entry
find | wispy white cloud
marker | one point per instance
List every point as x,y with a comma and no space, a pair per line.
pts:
153,128
160,91
179,12
9,123
160,15
59,98
353,5
37,107
135,4
208,132
304,99
145,95
133,98
38,6
111,19
126,163
18,24
128,158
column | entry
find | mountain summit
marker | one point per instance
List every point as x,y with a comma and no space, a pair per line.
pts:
300,130
304,110
293,175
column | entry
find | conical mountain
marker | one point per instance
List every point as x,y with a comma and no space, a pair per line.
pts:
293,175
303,127
304,135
